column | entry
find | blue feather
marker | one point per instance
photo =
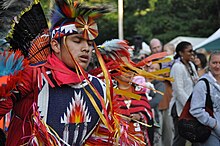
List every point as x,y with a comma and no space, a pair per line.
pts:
10,64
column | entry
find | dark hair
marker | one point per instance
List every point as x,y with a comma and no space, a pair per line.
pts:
160,64
136,60
202,59
181,47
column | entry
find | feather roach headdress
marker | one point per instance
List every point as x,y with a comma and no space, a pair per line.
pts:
69,17
112,52
30,34
115,49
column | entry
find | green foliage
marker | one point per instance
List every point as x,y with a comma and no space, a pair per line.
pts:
108,28
172,18
45,5
163,19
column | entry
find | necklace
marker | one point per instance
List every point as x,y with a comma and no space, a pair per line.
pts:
189,68
192,74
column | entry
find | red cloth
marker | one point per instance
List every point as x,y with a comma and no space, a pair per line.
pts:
21,109
28,88
61,73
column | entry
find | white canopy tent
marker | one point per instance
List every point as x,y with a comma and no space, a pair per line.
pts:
193,40
211,43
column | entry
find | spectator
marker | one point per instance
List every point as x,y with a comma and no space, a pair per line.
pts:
166,119
156,46
201,63
203,51
170,49
199,98
154,102
185,76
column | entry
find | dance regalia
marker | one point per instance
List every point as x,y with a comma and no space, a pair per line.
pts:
132,132
138,134
66,108
52,105
126,105
11,66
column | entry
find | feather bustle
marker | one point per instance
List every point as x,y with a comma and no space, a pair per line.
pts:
30,34
8,11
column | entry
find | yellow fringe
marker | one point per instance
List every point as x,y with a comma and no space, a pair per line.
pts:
128,118
126,93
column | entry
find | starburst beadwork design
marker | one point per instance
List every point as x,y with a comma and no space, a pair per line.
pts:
77,112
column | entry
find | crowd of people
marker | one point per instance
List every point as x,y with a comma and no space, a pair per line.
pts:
60,88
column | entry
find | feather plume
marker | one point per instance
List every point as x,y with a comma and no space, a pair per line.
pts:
7,3
11,65
115,49
30,34
70,9
112,52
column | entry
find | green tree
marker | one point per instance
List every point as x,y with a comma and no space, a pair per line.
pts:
164,19
172,18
